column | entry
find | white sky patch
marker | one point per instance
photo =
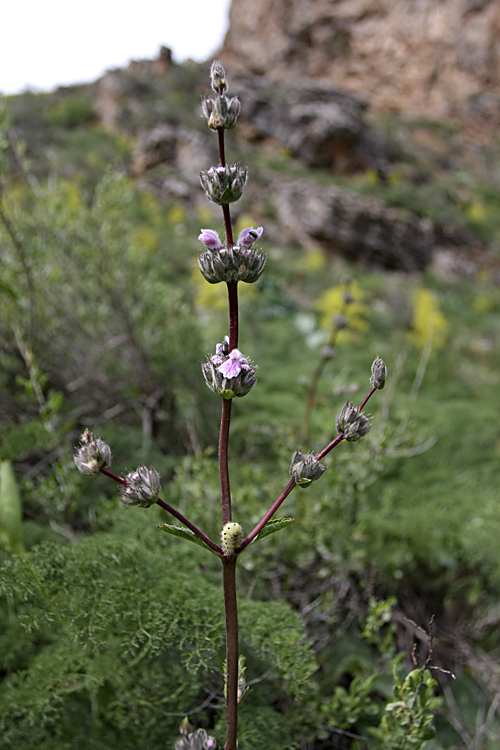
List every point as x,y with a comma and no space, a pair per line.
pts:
47,43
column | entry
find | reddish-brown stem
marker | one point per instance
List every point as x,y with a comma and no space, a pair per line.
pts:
272,510
366,399
225,491
232,293
110,474
229,563
329,447
231,611
225,206
176,514
227,225
291,484
173,512
222,154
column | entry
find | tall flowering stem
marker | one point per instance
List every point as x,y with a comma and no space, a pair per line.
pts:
221,114
230,375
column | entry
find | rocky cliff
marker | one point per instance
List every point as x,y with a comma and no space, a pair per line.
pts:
434,58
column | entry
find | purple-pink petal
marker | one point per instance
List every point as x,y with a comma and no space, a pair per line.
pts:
232,367
210,239
248,236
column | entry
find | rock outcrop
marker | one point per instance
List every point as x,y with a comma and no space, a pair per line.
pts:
316,123
422,57
120,92
360,228
319,125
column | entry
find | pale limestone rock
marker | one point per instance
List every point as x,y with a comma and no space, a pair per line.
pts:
421,57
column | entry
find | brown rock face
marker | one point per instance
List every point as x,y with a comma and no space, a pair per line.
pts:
362,229
318,124
437,58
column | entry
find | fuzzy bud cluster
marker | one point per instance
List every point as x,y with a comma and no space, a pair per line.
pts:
92,455
223,185
351,423
198,740
339,321
379,373
142,488
229,373
239,263
221,113
305,469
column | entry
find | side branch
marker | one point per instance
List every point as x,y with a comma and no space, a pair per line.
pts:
363,403
270,513
173,512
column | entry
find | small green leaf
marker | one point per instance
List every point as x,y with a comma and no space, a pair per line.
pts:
11,512
272,526
184,534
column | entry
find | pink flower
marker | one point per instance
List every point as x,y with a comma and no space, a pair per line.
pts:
235,363
248,236
210,239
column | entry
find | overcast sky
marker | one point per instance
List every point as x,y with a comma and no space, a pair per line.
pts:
46,43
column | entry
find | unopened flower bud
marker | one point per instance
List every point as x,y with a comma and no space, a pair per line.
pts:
351,423
327,352
142,488
340,321
218,77
304,469
224,185
229,374
185,726
198,740
92,455
379,373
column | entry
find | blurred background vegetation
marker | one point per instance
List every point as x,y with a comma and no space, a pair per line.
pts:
109,634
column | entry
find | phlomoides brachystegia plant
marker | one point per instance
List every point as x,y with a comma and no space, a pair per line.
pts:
228,374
